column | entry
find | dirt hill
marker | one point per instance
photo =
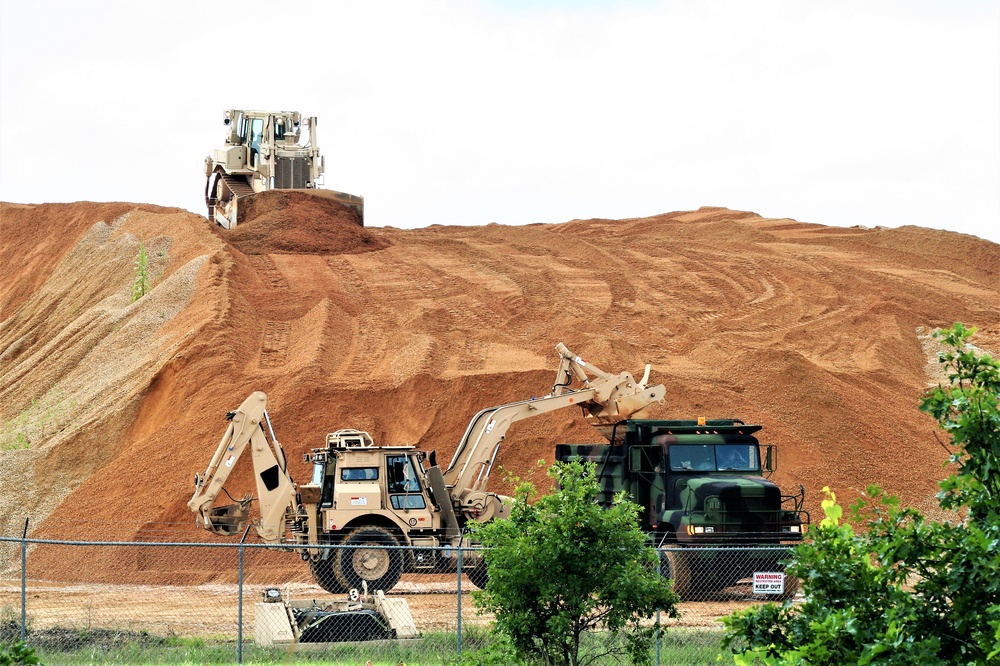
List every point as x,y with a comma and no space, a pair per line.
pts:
109,406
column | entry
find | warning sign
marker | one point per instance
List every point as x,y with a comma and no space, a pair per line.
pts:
768,582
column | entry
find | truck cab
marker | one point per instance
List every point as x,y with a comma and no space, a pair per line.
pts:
698,482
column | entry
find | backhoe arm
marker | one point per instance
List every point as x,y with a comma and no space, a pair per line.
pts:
605,399
275,489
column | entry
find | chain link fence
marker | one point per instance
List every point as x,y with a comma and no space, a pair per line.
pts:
171,598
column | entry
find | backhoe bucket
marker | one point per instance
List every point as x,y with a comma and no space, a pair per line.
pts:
228,519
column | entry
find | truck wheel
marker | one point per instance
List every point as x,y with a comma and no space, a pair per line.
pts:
322,571
665,568
791,587
478,575
680,567
379,567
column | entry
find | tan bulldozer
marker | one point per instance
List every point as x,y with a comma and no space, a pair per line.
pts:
262,152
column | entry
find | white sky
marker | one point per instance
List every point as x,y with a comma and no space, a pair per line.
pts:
469,112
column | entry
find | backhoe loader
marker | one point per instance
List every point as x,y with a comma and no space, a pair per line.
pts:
364,500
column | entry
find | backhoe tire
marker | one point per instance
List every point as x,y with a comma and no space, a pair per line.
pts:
322,571
379,567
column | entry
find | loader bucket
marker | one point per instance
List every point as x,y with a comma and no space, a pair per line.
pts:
320,626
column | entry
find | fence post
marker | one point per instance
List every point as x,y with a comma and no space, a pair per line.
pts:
458,630
239,603
659,633
24,582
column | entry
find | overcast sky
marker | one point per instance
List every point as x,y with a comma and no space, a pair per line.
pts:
468,112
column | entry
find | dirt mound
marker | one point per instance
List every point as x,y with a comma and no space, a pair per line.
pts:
299,223
109,406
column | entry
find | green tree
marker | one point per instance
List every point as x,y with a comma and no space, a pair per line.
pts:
142,283
17,653
562,567
905,589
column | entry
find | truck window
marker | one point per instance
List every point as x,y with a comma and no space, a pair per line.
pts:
359,473
692,457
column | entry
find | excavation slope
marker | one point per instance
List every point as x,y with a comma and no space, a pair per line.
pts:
109,405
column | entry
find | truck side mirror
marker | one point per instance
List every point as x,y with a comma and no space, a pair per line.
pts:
647,459
770,458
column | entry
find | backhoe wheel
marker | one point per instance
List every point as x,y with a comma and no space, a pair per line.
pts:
322,571
379,567
680,567
478,575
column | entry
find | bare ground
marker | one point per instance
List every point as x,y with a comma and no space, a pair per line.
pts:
108,407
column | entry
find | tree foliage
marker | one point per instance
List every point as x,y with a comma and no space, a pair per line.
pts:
905,589
562,567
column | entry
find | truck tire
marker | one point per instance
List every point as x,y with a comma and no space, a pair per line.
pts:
380,568
322,571
665,568
791,587
680,568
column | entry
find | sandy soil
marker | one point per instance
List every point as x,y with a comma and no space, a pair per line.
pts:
212,609
820,334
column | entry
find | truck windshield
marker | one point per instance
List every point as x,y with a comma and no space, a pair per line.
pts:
714,457
739,457
696,457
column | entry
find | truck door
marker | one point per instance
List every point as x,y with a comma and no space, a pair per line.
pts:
406,498
646,482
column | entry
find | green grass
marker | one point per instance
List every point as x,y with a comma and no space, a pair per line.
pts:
112,647
36,422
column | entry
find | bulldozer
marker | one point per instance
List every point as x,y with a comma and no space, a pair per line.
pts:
364,501
262,152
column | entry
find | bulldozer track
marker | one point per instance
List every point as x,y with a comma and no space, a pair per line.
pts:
238,185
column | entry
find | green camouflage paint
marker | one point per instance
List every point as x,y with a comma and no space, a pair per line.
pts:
697,483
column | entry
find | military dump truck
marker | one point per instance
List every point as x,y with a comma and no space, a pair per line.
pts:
363,500
262,152
699,483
